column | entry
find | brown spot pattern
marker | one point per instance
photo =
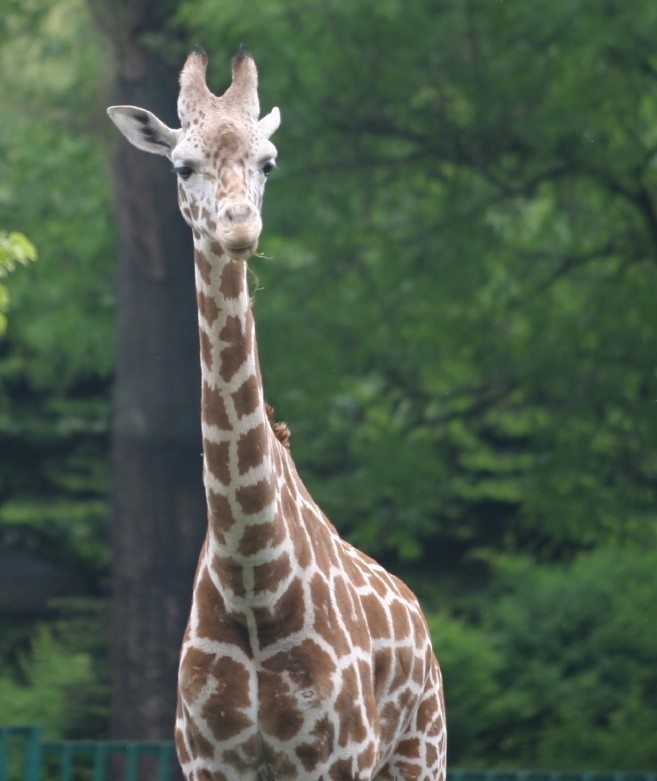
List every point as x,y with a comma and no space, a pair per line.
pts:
382,670
307,664
377,618
219,510
230,574
206,349
236,758
223,713
194,672
251,448
257,536
234,355
254,498
203,266
279,710
268,576
286,618
232,280
208,308
216,456
213,408
200,745
247,397
209,222
311,754
341,770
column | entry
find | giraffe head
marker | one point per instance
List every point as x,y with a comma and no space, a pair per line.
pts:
221,153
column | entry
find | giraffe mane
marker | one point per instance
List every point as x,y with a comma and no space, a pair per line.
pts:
280,429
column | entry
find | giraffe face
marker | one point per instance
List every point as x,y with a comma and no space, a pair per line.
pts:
222,167
221,154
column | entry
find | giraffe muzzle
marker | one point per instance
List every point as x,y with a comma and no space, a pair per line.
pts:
239,229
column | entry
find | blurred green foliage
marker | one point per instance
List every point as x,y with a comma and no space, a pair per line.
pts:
456,317
55,363
554,669
15,250
58,683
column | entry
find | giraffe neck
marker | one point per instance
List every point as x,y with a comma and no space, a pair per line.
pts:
247,538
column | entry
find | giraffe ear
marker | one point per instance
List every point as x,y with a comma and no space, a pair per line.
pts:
269,124
143,129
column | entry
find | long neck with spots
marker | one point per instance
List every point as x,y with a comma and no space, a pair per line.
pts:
238,442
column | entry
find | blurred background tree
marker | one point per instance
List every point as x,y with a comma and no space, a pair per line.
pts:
157,498
455,313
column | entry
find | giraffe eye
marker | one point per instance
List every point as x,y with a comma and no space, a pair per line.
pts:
268,167
184,171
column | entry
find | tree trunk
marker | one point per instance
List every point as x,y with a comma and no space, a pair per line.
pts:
158,505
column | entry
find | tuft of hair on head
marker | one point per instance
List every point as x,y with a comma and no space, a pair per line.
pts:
193,88
192,76
193,73
242,93
241,53
281,430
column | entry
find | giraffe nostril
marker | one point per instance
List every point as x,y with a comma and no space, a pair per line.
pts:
237,213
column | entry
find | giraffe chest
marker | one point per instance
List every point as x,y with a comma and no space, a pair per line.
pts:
277,719
320,693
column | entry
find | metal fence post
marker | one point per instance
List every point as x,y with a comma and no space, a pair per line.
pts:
32,761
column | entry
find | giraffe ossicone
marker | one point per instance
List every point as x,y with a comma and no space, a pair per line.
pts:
302,658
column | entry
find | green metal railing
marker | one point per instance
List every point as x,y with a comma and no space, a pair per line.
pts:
25,756
20,750
547,775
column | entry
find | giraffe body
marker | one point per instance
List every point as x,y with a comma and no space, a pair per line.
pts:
303,658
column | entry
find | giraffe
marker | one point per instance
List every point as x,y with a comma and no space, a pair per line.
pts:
302,658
